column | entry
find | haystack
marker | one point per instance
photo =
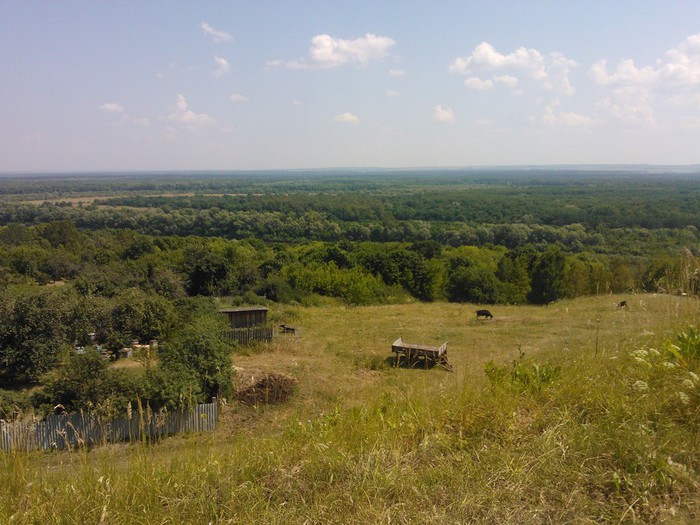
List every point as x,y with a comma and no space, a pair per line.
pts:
253,387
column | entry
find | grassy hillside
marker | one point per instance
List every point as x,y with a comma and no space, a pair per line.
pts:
589,416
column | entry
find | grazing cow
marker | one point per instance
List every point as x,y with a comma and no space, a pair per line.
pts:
622,304
484,313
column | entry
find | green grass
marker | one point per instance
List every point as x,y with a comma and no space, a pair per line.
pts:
612,437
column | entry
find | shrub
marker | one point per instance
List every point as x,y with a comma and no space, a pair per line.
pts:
521,375
686,350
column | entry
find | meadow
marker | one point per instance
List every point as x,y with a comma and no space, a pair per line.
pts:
588,414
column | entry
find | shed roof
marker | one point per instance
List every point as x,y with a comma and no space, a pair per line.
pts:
244,309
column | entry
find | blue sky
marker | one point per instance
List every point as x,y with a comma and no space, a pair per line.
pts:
135,85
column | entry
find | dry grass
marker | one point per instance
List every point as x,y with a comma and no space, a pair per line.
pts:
363,442
343,355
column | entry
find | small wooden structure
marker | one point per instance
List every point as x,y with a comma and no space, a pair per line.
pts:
416,354
287,329
245,317
248,325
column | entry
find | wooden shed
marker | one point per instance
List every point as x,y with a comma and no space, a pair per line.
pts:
248,325
246,317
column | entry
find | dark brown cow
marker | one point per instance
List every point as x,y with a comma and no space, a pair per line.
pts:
484,313
622,304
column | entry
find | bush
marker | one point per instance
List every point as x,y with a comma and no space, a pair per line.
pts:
172,387
13,403
199,349
78,384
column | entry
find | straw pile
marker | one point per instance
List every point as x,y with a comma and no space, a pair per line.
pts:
253,387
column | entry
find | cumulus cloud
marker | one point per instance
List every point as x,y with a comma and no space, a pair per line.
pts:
347,118
478,84
550,71
630,104
625,73
237,97
222,66
112,107
217,36
445,115
636,90
123,118
564,119
327,52
397,73
180,114
679,68
506,80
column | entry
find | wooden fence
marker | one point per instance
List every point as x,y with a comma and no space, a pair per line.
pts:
244,336
85,429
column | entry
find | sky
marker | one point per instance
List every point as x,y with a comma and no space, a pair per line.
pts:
287,84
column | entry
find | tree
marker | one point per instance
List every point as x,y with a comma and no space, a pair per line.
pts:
474,285
141,316
34,332
512,272
199,348
60,233
206,269
548,277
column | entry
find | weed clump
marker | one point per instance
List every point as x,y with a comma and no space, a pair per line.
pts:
521,375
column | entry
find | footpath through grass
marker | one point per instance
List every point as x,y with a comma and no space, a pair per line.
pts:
588,414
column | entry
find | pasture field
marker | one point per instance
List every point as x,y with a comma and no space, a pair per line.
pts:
586,416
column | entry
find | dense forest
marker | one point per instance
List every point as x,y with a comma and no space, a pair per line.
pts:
109,259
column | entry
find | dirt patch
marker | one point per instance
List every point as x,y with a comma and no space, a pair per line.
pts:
253,387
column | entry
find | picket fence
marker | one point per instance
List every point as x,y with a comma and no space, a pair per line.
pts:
89,430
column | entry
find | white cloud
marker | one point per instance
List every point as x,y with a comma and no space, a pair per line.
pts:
506,80
566,119
347,118
630,104
297,102
118,109
397,73
182,115
216,35
478,84
222,66
392,93
445,115
112,107
237,97
327,52
636,92
679,69
563,119
625,73
550,71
